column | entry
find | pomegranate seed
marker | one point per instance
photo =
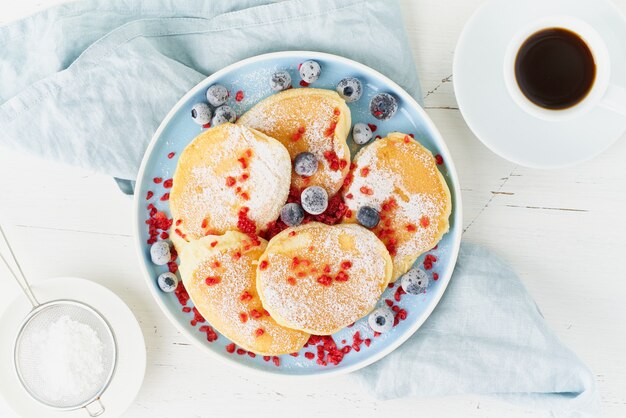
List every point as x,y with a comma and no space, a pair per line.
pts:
365,171
164,235
424,221
439,159
291,281
276,361
367,342
345,265
186,309
171,155
366,190
411,228
251,354
267,358
212,280
255,314
168,183
304,83
372,127
157,180
309,355
325,280
259,331
165,197
435,276
206,125
245,296
349,196
336,112
241,351
149,195
342,277
230,181
213,244
239,96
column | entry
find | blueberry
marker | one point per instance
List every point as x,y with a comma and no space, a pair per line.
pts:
281,80
381,319
167,282
314,200
223,114
415,281
201,113
305,164
383,106
216,95
292,214
368,216
361,133
310,71
160,253
350,89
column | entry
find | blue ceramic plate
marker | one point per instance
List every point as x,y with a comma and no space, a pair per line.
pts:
251,76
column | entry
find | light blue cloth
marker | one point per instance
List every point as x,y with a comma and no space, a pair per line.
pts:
487,336
88,83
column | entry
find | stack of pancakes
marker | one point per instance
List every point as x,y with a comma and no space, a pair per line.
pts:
230,185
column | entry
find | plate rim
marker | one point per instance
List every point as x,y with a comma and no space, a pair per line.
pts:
443,148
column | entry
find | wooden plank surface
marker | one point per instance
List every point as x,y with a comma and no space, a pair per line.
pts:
562,230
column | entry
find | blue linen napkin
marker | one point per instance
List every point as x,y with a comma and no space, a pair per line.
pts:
88,83
486,336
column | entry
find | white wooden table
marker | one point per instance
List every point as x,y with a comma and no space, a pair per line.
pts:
563,231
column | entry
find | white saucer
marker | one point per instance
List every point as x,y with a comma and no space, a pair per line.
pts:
131,363
490,112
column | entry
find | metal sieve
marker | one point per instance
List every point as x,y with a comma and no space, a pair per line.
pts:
29,363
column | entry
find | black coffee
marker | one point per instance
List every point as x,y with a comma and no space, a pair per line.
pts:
555,69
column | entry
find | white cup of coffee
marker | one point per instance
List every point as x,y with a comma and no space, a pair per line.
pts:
559,68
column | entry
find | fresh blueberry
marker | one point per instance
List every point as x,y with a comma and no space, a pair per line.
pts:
305,164
414,281
310,71
160,253
168,282
381,319
292,214
368,216
201,113
223,114
281,80
383,106
314,200
217,95
361,133
350,89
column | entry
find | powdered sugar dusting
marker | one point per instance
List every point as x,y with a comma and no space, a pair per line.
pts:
285,113
207,195
309,305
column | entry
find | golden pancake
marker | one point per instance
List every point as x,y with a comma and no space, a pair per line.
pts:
319,278
308,120
230,177
219,274
399,178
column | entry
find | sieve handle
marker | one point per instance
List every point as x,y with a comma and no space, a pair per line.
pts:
97,412
21,278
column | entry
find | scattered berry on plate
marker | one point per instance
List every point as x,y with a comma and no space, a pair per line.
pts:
361,133
381,319
367,216
314,200
216,95
305,164
415,281
350,89
160,253
292,214
383,106
223,114
310,71
280,80
167,282
201,113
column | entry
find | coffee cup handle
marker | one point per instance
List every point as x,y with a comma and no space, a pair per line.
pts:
615,99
